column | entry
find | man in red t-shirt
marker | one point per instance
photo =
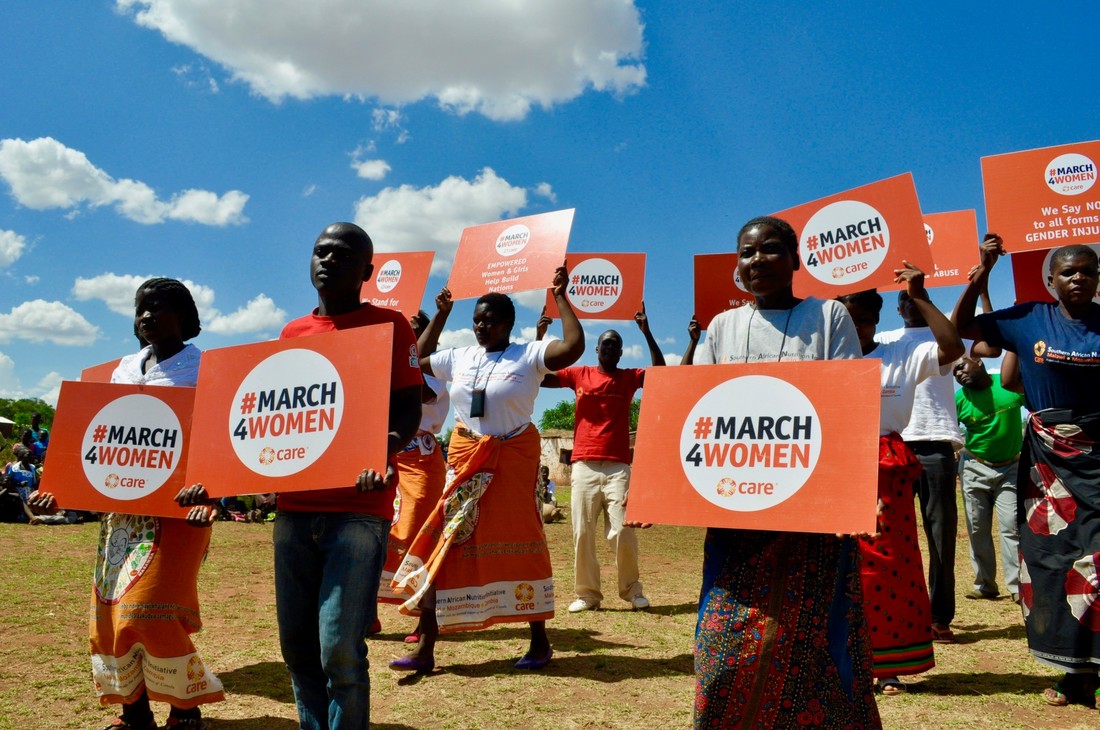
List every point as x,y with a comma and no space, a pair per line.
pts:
330,544
601,465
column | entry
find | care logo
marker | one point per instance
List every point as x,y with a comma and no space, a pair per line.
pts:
131,447
750,443
844,242
513,239
929,233
388,276
594,285
1048,280
1070,174
286,412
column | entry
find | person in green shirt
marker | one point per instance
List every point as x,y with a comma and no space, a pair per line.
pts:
987,470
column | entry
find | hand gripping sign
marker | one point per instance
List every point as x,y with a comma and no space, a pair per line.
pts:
953,242
509,256
292,415
603,286
854,240
718,286
119,448
791,447
1043,198
398,281
1031,275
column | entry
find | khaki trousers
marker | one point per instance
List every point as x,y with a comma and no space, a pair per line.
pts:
600,487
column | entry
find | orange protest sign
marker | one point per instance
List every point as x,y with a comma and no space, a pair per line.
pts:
1031,275
854,240
718,287
119,448
510,256
99,373
398,281
603,286
1043,198
292,415
953,241
776,446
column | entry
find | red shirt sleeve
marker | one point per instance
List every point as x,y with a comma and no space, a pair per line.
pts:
405,368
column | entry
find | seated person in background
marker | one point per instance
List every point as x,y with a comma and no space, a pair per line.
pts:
23,474
12,506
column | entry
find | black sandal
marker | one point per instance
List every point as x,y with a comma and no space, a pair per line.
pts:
120,724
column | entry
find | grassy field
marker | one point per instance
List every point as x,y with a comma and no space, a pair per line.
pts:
612,668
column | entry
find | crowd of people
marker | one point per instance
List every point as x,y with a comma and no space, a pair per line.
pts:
793,628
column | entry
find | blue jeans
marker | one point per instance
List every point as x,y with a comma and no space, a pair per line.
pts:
327,568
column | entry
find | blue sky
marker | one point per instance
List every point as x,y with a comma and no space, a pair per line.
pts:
213,141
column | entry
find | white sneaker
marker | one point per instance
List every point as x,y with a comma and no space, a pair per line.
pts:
582,605
639,603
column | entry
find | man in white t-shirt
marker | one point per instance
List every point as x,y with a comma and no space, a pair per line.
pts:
934,436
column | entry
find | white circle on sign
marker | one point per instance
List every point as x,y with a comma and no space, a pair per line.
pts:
1045,271
286,412
594,285
1070,174
929,233
844,242
388,276
131,447
750,443
512,240
737,280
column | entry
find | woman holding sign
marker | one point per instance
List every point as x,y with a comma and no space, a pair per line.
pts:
781,637
895,596
1058,349
482,554
145,605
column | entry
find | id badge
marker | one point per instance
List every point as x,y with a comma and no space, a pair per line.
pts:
477,403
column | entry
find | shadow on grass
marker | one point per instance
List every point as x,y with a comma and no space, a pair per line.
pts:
982,684
608,668
974,633
265,679
255,723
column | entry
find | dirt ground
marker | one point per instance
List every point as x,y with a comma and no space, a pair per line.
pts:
612,668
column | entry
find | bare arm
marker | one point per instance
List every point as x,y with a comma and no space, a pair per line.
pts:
655,355
542,325
693,340
1010,373
963,316
566,351
429,338
947,337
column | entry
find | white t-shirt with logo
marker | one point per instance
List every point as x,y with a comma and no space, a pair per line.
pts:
905,365
510,378
934,416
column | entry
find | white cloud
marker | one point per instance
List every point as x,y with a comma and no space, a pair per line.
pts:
12,246
43,173
309,190
633,352
258,315
42,321
407,218
545,190
457,338
32,278
47,389
673,358
117,292
494,57
371,169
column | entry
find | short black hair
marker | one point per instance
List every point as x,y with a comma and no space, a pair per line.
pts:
499,304
179,298
1070,252
350,233
868,300
782,227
